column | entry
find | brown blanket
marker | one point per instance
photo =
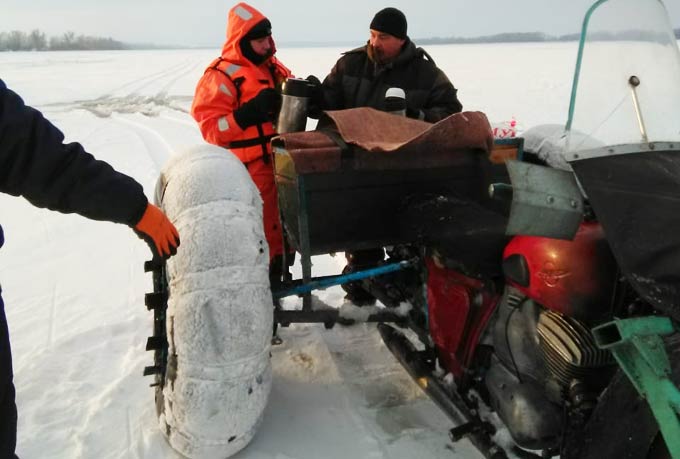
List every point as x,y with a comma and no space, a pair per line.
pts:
374,130
413,142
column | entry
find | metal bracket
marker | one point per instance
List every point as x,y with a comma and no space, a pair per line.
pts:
545,201
638,347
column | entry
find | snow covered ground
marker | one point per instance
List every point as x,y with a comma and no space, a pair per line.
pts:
74,288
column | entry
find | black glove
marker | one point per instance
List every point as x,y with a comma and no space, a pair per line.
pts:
415,113
260,109
313,81
315,97
394,104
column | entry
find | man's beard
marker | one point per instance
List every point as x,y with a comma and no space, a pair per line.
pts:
258,59
377,55
252,56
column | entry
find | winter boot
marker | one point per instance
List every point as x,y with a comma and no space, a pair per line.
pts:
359,260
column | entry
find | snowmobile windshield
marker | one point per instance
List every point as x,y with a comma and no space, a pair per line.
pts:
623,141
626,89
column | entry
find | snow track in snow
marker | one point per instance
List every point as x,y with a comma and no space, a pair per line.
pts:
162,81
148,94
156,147
381,401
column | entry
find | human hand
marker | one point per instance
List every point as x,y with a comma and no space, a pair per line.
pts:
158,232
267,101
415,113
313,81
316,97
260,109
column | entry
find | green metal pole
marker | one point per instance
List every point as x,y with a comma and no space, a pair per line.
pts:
638,347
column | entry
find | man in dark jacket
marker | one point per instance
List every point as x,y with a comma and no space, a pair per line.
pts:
36,164
362,76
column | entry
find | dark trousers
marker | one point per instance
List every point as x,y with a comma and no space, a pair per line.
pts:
8,407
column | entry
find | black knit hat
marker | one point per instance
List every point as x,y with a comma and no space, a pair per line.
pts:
391,21
260,30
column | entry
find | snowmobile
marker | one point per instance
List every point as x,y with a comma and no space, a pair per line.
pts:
539,273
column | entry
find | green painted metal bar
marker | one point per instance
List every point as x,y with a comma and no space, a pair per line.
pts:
579,61
638,347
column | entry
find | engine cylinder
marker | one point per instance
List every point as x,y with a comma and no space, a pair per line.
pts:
570,351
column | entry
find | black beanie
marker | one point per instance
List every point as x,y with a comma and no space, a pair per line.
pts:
260,30
391,21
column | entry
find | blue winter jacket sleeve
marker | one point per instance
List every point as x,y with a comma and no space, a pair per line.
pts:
36,164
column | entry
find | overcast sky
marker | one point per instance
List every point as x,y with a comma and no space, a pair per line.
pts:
203,22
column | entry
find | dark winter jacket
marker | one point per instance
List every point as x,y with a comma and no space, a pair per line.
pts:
36,164
356,81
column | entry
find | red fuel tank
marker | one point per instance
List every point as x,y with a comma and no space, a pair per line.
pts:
575,278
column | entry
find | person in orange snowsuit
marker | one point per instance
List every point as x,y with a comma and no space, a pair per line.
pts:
235,103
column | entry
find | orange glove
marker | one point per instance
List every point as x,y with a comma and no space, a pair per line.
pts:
158,232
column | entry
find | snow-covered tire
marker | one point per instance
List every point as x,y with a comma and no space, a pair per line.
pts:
219,311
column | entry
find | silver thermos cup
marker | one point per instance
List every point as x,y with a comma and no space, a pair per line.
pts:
295,95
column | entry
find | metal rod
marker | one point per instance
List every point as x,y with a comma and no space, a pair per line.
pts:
634,82
322,283
305,243
285,317
579,62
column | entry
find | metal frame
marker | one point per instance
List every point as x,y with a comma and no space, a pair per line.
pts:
638,347
304,288
308,283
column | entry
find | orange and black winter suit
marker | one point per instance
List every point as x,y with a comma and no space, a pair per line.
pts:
229,82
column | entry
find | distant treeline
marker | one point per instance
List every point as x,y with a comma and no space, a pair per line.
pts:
525,37
36,40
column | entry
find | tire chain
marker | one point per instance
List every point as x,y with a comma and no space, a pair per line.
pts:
157,301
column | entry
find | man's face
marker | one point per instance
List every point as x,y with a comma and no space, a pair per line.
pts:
262,46
385,46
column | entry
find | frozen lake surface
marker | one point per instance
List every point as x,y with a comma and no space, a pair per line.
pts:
74,289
